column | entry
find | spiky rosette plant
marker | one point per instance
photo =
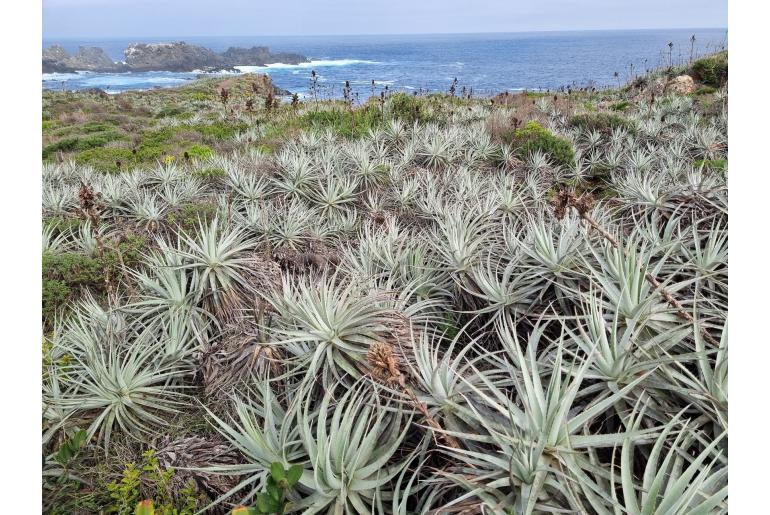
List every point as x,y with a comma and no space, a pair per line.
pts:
353,448
329,325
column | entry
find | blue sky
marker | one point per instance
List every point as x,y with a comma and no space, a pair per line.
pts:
135,18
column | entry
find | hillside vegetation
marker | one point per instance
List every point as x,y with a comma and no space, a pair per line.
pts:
420,304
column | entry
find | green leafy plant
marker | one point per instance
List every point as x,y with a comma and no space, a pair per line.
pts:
273,499
124,494
151,477
601,122
712,70
533,137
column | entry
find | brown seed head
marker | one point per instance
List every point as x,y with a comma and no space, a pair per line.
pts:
384,362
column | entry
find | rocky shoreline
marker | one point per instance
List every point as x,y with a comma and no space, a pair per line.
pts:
173,57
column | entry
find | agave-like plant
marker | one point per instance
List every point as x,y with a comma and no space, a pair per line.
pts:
117,382
679,484
53,240
219,257
330,326
169,292
532,444
264,432
352,446
334,194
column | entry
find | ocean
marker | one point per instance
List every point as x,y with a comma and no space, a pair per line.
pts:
485,63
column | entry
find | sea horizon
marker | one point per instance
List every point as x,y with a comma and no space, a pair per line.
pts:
485,62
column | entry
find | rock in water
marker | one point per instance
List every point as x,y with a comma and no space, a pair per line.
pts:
172,57
56,59
259,56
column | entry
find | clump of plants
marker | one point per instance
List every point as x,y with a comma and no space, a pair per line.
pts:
432,305
533,137
405,108
711,70
601,122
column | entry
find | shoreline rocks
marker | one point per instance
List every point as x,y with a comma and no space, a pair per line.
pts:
173,57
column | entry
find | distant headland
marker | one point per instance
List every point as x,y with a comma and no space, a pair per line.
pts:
172,57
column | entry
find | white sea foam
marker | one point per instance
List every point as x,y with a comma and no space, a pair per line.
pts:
319,63
63,76
130,80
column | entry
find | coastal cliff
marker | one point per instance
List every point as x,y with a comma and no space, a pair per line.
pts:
175,56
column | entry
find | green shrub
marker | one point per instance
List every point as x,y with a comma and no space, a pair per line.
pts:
404,107
714,165
91,127
63,224
620,106
66,274
704,90
72,268
168,111
210,173
344,122
534,137
602,122
187,216
150,153
79,143
56,294
199,151
151,476
711,71
198,95
105,159
220,130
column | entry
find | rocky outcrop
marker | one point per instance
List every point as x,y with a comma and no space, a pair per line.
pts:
56,59
258,56
682,84
172,57
176,57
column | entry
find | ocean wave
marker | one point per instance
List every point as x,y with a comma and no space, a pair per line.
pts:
376,82
317,63
64,76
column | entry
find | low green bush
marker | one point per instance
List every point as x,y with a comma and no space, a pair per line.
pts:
199,151
169,111
92,127
404,107
220,130
151,476
188,216
106,159
80,143
704,90
343,122
602,122
63,275
714,165
210,173
62,224
66,274
534,137
712,70
620,106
